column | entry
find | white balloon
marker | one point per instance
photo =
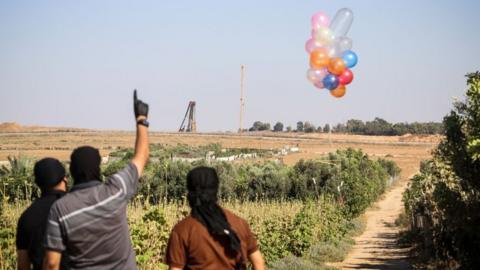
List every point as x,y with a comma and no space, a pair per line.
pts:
333,50
324,36
341,22
344,44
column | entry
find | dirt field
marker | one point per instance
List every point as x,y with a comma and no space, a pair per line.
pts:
60,144
375,248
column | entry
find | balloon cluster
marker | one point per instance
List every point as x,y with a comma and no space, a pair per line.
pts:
331,55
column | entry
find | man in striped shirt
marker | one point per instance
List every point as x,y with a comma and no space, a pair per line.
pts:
90,222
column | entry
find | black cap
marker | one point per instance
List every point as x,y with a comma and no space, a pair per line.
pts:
48,173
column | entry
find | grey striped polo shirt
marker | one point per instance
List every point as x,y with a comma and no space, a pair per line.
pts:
90,223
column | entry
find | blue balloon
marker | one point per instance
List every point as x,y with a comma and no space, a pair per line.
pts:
350,58
330,81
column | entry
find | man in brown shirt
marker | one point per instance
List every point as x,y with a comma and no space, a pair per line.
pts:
211,238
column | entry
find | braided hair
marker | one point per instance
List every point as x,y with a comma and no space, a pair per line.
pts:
202,186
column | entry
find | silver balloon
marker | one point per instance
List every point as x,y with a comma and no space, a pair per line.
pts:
343,44
333,50
341,22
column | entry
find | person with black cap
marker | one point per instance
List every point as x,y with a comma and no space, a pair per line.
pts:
50,178
90,222
211,237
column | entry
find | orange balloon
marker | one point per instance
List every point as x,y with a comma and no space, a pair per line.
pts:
319,58
339,91
336,66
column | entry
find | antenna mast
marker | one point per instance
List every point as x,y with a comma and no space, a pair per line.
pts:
242,99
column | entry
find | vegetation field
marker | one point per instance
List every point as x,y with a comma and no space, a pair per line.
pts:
293,201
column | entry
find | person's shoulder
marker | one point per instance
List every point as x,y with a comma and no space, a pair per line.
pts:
25,215
128,171
31,210
232,217
230,214
185,224
58,205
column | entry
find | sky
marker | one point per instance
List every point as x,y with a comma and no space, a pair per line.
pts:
75,63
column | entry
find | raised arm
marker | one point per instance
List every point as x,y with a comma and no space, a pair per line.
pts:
141,143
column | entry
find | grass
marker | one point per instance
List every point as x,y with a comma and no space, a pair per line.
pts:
271,221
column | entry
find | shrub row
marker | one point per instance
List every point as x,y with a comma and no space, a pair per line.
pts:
349,175
443,200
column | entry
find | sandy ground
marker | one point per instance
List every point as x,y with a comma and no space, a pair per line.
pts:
375,249
61,144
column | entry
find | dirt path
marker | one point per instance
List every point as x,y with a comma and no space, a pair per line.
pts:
377,247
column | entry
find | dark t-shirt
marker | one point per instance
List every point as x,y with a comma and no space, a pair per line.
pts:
90,223
191,246
31,228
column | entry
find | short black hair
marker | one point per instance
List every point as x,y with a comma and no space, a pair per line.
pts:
85,164
48,173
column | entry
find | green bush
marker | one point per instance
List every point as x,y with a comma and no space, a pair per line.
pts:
446,192
17,180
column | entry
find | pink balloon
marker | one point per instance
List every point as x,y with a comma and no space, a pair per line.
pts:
317,75
311,45
320,19
319,85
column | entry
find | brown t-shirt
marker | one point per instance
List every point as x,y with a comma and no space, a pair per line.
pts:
191,246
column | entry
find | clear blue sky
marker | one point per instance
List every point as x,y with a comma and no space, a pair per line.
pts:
75,63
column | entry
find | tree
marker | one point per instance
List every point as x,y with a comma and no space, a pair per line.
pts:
289,129
400,129
319,129
447,189
308,127
299,126
278,127
355,126
256,126
259,126
326,128
266,126
340,128
378,127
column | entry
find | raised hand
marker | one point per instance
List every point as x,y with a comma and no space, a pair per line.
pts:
140,108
